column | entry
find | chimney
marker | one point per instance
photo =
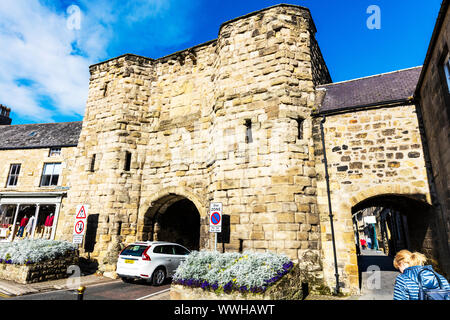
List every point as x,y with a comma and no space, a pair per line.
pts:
4,115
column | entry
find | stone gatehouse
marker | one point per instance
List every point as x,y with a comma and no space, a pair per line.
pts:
238,120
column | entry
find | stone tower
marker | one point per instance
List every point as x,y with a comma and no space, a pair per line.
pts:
226,121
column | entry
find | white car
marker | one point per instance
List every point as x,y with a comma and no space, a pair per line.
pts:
154,261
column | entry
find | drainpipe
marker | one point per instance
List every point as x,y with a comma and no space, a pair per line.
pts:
327,178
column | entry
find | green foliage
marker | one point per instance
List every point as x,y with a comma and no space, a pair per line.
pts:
247,272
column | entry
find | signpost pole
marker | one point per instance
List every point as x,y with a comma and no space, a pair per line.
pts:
215,241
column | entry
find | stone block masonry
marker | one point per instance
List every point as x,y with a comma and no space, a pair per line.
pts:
231,121
370,153
183,119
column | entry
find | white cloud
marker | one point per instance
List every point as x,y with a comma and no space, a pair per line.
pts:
37,46
45,65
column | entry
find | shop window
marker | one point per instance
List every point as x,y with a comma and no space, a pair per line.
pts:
6,221
54,152
50,174
13,175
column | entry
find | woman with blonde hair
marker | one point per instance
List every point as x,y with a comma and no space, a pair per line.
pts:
407,283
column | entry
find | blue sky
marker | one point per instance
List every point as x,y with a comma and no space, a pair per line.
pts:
46,50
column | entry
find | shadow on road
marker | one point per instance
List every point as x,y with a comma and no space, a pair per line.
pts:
370,258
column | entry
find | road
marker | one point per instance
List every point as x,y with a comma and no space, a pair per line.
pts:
115,290
377,275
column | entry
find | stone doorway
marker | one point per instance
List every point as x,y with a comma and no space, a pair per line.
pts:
393,223
173,218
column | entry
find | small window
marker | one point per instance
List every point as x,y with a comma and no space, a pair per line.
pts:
300,124
181,251
163,249
92,166
157,249
447,70
248,132
13,175
54,152
127,161
50,174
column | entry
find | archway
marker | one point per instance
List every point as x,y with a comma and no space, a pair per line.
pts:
173,218
392,223
395,222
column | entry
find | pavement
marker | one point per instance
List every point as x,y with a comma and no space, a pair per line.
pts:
11,288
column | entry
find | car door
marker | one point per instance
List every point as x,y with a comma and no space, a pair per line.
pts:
167,259
180,254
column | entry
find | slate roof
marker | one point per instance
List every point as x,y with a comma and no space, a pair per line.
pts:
45,135
370,91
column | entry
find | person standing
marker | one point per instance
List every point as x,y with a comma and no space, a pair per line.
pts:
407,283
23,224
363,243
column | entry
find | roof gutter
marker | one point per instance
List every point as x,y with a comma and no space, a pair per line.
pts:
373,106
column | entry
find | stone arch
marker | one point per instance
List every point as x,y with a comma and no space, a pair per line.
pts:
173,214
343,206
403,221
172,193
383,189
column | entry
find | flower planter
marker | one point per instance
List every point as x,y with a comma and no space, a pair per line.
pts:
179,292
37,272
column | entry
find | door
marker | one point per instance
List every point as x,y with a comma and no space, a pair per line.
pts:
180,255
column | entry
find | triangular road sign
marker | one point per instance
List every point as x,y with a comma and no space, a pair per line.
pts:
81,213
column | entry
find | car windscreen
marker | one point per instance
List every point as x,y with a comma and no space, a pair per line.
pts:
133,250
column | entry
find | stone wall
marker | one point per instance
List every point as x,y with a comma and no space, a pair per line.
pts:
32,163
44,271
370,153
434,104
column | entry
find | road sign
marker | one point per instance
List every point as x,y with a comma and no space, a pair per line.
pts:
82,211
79,228
77,239
215,217
370,219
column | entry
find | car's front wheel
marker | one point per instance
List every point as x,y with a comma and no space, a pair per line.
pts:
159,276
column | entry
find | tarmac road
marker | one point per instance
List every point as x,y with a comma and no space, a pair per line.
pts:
116,290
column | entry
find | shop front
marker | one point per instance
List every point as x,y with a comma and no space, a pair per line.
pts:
29,215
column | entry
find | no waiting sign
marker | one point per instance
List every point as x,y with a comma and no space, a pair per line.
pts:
215,217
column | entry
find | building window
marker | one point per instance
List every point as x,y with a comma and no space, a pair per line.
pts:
13,175
248,131
300,124
127,161
50,174
447,70
92,167
54,152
